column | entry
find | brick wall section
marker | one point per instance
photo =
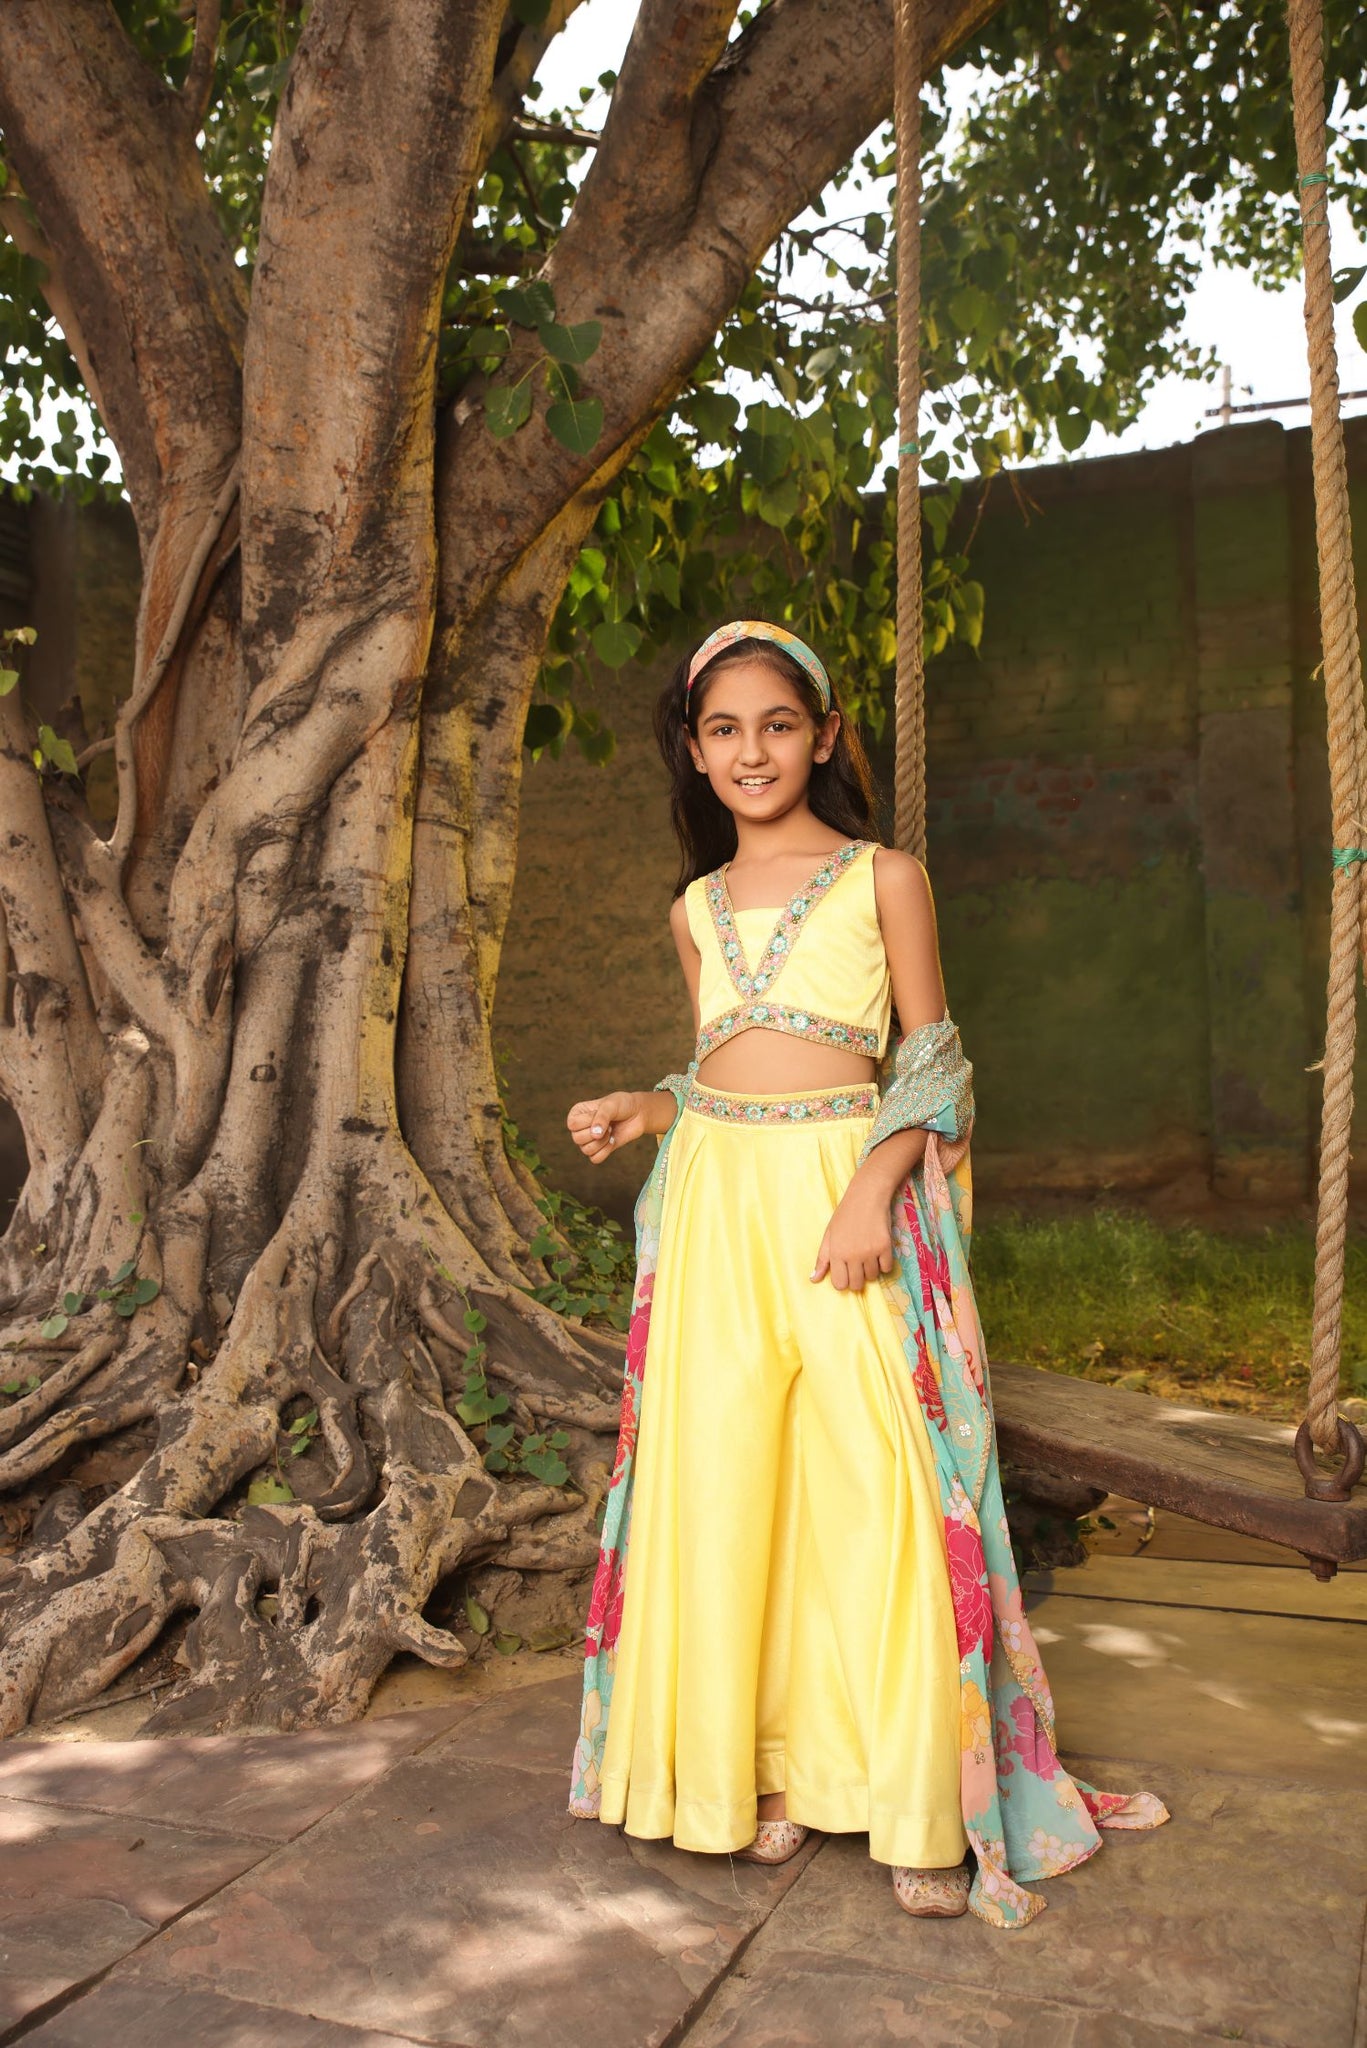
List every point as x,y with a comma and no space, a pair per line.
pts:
1128,835
1128,825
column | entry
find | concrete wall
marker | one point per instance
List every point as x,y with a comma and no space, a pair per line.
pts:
1128,837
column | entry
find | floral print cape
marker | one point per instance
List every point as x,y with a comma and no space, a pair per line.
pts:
1024,1816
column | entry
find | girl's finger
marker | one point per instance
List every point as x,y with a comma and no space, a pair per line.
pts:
823,1263
886,1261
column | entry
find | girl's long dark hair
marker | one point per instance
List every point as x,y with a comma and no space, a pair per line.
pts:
841,792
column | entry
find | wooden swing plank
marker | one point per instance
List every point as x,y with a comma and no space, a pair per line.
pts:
1233,1470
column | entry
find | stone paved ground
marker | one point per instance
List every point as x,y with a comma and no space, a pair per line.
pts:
416,1879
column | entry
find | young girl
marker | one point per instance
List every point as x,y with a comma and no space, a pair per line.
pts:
822,1625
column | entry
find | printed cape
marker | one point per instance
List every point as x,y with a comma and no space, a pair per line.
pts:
1024,1816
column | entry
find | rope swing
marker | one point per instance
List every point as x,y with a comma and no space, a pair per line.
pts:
1347,736
1324,1429
909,811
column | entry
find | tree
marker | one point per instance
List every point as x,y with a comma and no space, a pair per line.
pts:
409,408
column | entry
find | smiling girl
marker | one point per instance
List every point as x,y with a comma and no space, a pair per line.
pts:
822,1626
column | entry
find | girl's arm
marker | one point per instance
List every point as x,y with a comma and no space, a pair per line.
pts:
601,1127
857,1246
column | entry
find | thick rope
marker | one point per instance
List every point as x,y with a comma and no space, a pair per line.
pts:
1347,732
909,815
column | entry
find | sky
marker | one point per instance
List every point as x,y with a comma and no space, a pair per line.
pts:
1259,334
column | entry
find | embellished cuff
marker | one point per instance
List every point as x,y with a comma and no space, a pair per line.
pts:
680,1086
931,1088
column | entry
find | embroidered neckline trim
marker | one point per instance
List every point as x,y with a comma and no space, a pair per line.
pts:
791,919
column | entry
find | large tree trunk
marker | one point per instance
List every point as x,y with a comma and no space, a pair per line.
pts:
248,1035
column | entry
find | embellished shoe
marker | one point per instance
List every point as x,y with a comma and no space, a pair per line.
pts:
775,1842
932,1894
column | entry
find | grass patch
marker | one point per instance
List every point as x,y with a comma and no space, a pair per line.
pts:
1113,1296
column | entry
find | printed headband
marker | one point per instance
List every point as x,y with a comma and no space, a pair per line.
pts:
759,629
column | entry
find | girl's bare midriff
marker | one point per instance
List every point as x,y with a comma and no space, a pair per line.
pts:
766,1063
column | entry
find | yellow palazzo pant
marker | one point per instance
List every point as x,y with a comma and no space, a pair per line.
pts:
787,1623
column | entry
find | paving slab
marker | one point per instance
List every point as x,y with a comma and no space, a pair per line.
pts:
114,2014
269,1785
1230,1588
457,1902
1241,1919
80,1890
1239,1692
785,1998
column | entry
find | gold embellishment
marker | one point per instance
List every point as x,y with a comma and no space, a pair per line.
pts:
794,1023
816,1108
785,933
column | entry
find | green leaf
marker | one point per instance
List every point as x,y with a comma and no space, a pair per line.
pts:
777,503
1346,282
8,678
22,636
54,1326
576,423
125,1272
545,724
766,445
125,1305
507,407
304,1422
487,341
531,12
476,1616
73,1303
499,1435
714,414
145,1290
527,305
1360,325
1073,429
547,1466
10,1386
570,344
507,1645
269,1491
473,1320
615,645
57,750
550,1638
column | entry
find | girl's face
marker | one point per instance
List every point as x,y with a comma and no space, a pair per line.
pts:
756,741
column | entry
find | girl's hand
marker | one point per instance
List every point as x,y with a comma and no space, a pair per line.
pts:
602,1127
857,1246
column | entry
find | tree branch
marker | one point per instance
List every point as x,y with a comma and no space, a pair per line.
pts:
709,149
114,179
198,88
518,58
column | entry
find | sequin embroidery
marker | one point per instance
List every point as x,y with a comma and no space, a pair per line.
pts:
790,921
772,1109
795,1023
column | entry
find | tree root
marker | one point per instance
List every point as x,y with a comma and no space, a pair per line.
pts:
298,1604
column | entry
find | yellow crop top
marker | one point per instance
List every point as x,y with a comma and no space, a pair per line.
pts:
834,988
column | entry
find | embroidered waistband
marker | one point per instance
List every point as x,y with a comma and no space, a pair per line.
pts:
795,1023
814,1106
